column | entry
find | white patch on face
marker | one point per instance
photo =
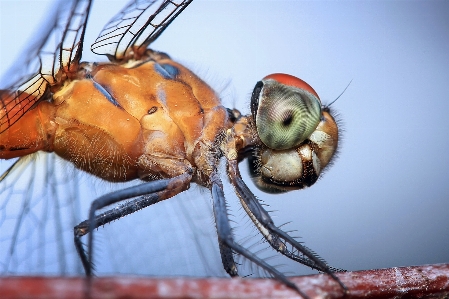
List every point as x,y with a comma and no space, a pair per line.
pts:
316,163
319,137
306,152
281,165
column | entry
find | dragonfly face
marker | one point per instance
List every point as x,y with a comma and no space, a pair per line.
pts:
145,116
298,136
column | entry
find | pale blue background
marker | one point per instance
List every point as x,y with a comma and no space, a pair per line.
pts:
385,201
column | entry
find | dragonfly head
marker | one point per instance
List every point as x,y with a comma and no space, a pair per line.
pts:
298,136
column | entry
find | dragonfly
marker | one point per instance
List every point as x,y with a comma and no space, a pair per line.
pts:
143,116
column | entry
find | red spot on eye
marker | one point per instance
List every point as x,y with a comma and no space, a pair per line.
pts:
292,81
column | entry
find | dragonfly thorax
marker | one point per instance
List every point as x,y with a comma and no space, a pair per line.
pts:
148,120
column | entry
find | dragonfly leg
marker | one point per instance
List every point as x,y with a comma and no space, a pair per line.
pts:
152,192
277,238
227,259
225,234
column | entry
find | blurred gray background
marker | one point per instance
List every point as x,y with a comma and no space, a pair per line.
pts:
383,203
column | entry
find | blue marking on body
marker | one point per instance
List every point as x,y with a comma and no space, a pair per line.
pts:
161,96
167,71
106,94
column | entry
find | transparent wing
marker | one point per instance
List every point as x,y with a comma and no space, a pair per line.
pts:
136,27
48,60
39,203
43,197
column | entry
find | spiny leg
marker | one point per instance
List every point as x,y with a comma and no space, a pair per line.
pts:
227,259
225,235
154,192
277,238
108,216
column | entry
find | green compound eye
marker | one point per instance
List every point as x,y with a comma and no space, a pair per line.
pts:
286,111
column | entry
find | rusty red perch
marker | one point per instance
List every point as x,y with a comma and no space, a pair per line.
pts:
430,281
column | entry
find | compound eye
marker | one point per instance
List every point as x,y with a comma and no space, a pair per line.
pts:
286,111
